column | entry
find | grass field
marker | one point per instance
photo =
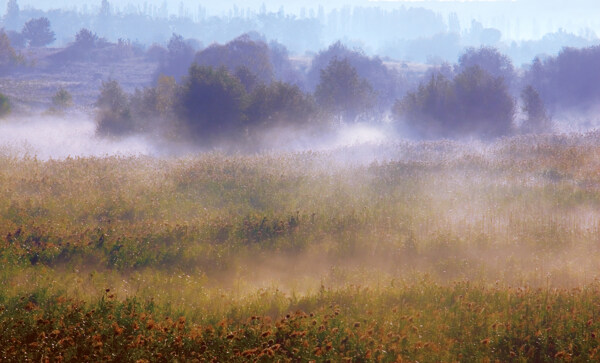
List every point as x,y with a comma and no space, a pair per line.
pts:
408,252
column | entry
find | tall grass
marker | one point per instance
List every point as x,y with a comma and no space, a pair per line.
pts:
430,252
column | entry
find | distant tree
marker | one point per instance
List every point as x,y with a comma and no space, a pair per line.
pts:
166,93
38,33
384,81
114,113
9,58
431,110
248,79
485,104
4,105
568,80
243,51
212,104
157,53
105,8
279,104
538,120
16,39
11,18
474,103
342,92
490,60
85,39
62,99
178,59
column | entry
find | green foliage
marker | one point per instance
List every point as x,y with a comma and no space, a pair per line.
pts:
4,105
458,256
538,120
114,114
342,92
8,56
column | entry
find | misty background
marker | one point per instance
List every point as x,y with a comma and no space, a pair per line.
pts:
292,75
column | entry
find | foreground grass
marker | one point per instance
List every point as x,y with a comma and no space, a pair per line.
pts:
418,322
311,256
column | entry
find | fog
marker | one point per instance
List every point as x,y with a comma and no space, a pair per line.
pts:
48,137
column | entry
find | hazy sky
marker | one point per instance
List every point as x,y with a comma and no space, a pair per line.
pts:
532,17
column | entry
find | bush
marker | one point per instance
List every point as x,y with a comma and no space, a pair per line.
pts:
114,114
4,105
62,99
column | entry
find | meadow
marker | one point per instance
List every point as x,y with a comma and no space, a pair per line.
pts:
425,251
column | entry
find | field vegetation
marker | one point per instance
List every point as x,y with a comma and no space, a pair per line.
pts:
425,251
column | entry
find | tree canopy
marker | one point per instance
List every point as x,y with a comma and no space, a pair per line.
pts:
37,32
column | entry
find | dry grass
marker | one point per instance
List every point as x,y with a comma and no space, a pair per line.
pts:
446,252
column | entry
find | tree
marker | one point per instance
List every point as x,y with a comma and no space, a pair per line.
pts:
474,103
279,104
431,109
538,120
8,56
212,104
85,39
62,99
105,9
11,18
114,114
484,104
178,58
243,51
38,33
16,39
490,60
342,92
4,105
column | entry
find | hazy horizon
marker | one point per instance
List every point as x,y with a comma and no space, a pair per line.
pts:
517,19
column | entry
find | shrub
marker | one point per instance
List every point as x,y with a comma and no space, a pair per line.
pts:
4,105
114,114
62,99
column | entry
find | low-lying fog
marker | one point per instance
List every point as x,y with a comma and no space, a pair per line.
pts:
54,137
58,137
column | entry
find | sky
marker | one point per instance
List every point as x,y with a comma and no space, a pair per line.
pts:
537,17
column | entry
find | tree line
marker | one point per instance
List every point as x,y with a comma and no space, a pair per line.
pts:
237,90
